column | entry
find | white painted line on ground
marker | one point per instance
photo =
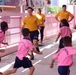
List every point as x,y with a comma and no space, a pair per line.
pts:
6,67
37,62
49,54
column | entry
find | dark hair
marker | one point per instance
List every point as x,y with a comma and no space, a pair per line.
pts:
39,9
25,32
63,6
67,40
4,25
64,21
30,8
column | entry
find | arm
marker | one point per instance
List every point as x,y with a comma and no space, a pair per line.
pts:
71,17
42,22
37,22
23,24
43,19
35,51
57,37
53,60
52,63
56,17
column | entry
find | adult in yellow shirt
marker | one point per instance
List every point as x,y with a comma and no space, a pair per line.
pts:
32,23
41,18
64,14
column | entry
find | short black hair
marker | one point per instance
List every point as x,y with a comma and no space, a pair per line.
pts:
25,32
39,9
30,8
3,25
64,6
67,41
64,21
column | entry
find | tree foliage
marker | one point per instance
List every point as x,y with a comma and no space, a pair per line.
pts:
71,2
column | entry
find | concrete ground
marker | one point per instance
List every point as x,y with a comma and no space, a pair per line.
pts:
41,62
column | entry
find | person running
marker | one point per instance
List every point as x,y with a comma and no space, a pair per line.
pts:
25,45
41,18
64,57
64,31
64,14
4,28
32,23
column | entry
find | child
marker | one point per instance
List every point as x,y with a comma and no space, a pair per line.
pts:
25,45
64,31
64,57
4,27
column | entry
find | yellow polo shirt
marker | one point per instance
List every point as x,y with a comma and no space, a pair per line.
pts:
41,18
31,23
64,15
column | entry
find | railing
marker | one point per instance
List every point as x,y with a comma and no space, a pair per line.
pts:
51,26
14,22
12,35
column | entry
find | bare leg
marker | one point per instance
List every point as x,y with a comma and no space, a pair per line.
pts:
35,42
31,71
10,71
1,51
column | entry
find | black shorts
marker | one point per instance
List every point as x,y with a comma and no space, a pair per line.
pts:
61,43
25,63
34,35
63,70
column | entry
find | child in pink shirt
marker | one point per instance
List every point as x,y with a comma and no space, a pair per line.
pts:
64,57
4,27
25,45
64,31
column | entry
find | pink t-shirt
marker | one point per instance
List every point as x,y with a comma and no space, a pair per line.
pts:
24,47
1,36
65,56
65,31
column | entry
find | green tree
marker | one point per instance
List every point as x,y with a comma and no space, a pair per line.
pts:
75,2
71,2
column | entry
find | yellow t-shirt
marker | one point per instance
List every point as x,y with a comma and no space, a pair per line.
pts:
41,18
64,15
31,23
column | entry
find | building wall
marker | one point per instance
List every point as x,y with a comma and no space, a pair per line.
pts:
10,2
